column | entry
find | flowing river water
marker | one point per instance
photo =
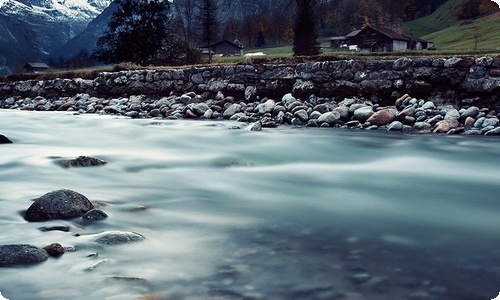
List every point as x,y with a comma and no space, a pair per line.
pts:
284,213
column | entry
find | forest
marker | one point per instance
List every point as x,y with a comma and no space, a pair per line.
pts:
340,17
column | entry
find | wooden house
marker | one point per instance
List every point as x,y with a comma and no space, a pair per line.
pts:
227,48
33,67
379,39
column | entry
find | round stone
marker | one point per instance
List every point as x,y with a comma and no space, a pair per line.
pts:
60,204
18,254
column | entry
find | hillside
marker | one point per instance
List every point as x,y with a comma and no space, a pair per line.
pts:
443,17
478,35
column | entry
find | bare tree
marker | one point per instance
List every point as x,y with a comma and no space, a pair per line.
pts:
186,13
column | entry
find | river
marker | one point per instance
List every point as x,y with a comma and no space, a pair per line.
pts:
283,213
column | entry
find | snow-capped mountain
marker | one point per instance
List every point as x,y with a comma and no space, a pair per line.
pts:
31,29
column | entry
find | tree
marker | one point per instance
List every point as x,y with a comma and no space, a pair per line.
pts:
468,9
305,40
208,23
186,9
140,31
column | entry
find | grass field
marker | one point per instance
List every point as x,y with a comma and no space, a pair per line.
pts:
474,36
442,18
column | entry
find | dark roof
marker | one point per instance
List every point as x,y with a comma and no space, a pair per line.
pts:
414,38
389,33
36,65
227,42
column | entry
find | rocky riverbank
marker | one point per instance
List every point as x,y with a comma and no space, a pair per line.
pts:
408,114
441,95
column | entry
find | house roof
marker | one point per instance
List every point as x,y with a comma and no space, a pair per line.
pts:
414,38
337,38
387,32
36,65
352,33
226,42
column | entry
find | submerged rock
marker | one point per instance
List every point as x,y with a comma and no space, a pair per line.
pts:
84,161
4,139
95,215
60,204
116,237
21,254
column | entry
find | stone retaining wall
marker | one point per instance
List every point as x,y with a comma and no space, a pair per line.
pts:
456,80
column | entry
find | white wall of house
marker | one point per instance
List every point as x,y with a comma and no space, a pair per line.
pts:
399,45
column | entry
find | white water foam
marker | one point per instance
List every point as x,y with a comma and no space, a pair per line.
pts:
2,298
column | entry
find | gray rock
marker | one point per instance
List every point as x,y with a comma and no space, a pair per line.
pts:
490,122
19,254
428,105
395,126
452,114
302,115
200,108
84,161
494,131
60,204
266,107
331,118
362,114
471,112
116,237
231,110
95,215
256,126
288,98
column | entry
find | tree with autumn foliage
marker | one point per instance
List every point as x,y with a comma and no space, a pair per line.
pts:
472,9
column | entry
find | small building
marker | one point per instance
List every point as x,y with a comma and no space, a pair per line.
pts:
227,48
33,67
379,39
338,42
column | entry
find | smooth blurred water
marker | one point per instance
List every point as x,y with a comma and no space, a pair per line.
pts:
286,213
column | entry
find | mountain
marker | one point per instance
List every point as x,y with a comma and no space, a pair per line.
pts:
31,29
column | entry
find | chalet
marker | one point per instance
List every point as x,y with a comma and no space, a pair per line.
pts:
225,48
33,67
379,39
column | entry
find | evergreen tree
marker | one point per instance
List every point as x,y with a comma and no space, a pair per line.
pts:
261,41
208,23
141,31
305,40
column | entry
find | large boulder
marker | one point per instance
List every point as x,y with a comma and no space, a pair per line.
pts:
20,254
60,204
